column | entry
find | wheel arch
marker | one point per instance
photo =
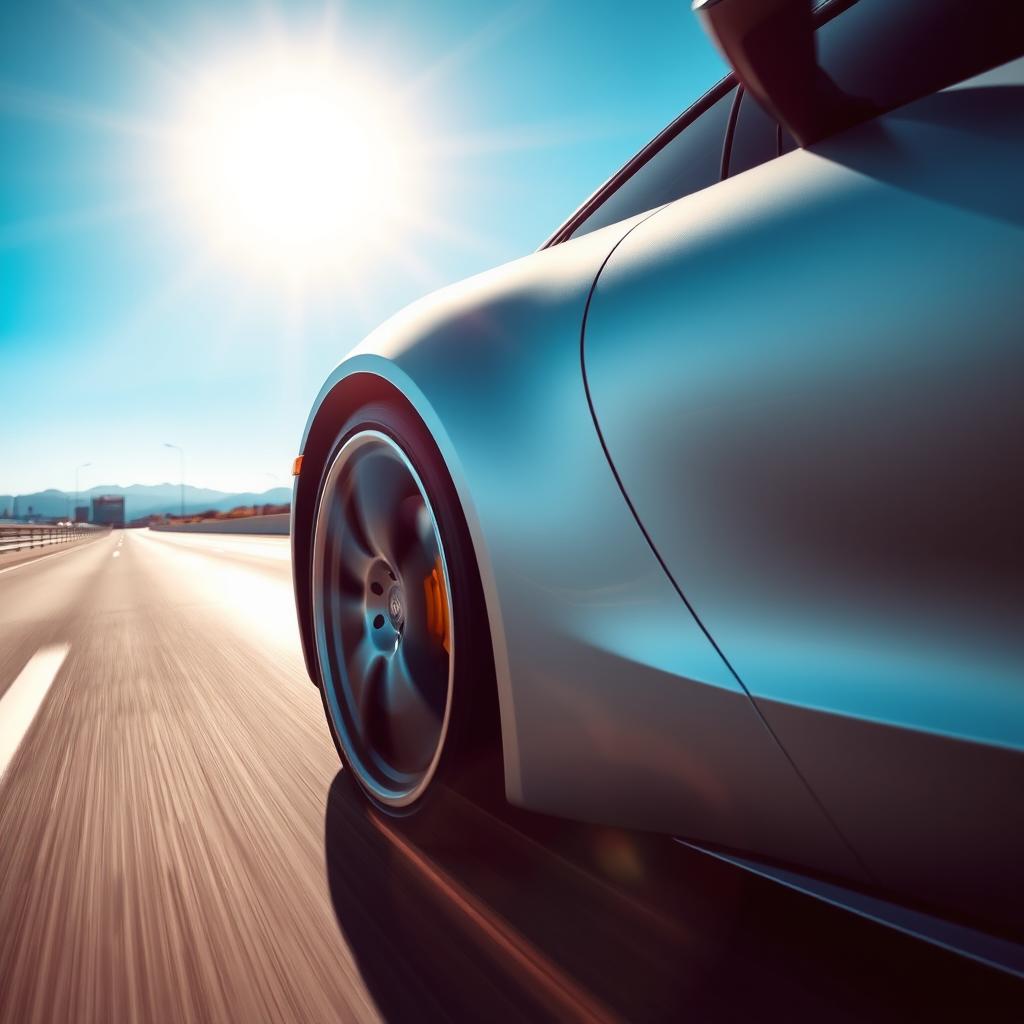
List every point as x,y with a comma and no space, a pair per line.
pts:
362,378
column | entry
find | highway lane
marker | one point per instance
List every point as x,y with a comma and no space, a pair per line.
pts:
177,843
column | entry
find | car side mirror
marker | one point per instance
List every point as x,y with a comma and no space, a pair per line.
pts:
770,46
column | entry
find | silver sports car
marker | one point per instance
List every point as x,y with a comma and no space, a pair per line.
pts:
709,514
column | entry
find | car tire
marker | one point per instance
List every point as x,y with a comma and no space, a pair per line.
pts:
401,635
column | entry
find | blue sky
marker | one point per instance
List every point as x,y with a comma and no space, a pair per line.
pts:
119,330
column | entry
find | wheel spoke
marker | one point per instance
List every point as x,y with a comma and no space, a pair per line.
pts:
413,720
352,563
346,554
355,530
362,664
379,485
426,659
416,548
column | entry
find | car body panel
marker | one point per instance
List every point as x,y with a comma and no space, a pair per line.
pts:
614,705
809,380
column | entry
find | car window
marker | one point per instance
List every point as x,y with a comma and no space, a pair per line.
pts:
689,162
755,139
880,53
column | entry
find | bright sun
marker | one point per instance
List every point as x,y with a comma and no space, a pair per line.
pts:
290,163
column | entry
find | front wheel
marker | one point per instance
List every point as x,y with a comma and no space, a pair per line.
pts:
398,610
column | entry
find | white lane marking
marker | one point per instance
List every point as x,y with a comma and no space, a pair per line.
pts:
116,553
18,706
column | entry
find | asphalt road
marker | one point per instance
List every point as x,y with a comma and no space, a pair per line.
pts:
177,843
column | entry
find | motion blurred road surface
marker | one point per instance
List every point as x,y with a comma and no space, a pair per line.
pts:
177,843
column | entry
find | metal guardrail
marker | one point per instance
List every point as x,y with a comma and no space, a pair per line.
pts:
21,536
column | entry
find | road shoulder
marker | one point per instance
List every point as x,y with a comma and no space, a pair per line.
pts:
10,559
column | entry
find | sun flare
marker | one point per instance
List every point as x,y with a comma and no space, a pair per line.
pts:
288,163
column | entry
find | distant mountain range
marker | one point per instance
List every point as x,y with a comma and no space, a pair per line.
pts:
141,500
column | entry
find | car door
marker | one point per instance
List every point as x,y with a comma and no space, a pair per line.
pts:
809,381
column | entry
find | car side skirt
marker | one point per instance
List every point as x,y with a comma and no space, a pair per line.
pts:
987,949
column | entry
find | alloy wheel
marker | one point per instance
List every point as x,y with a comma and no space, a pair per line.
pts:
383,615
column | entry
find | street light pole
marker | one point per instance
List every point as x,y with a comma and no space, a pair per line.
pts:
181,452
78,469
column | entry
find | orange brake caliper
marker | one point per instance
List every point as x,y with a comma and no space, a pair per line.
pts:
437,605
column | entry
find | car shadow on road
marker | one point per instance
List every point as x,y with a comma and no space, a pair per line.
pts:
486,912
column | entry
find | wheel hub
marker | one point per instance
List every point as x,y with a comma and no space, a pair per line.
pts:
396,607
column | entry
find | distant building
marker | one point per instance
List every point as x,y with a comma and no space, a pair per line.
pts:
108,510
81,513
